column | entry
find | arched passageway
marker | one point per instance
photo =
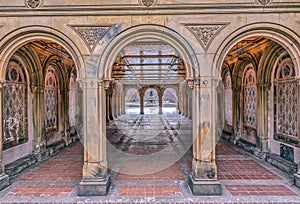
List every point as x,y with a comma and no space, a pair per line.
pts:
38,110
261,100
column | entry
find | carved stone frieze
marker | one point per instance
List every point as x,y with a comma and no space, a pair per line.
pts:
91,34
205,33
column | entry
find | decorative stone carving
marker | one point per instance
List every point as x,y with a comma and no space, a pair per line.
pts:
34,3
263,2
91,34
205,33
147,3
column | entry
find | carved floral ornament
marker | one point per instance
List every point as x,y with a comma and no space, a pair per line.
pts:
34,3
263,2
148,3
205,33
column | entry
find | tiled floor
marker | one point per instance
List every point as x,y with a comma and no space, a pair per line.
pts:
139,160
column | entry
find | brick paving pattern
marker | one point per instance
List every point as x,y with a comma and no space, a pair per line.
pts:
259,190
41,191
150,190
243,178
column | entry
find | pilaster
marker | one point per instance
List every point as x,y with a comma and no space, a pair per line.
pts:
262,119
236,104
38,112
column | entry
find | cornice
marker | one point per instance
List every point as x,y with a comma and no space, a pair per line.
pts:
162,9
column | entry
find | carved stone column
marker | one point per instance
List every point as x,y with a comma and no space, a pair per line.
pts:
203,179
4,179
95,180
262,118
38,111
160,103
142,93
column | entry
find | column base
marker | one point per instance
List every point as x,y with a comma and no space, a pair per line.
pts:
297,180
42,155
4,181
94,188
204,187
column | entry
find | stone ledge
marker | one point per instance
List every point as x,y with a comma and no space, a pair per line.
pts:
297,180
282,164
4,181
204,187
19,165
94,188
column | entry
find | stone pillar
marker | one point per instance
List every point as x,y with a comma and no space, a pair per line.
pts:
95,180
4,179
160,100
141,92
203,179
236,104
262,119
38,111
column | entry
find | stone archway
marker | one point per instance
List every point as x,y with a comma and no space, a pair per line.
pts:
96,181
9,46
283,42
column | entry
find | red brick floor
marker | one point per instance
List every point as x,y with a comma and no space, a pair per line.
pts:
243,170
150,190
171,173
259,190
56,170
41,190
64,167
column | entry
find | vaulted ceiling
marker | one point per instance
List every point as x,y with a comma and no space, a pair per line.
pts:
149,61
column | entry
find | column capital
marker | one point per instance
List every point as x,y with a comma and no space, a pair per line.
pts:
82,82
37,89
190,82
264,86
106,83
